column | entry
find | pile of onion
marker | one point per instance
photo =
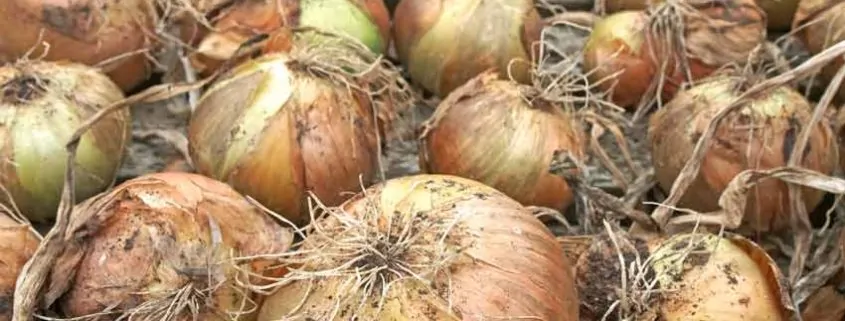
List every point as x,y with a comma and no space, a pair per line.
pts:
17,244
164,246
759,135
286,124
41,105
655,52
503,134
444,44
779,13
704,276
428,248
367,21
820,24
115,33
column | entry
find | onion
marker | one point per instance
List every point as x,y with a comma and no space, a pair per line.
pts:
444,44
364,20
17,244
760,135
84,31
779,13
503,134
42,104
282,125
426,247
159,241
820,24
675,278
680,41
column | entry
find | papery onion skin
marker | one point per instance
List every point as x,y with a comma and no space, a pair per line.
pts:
274,133
487,131
508,265
367,21
760,135
87,31
779,13
41,106
17,244
704,276
615,45
820,24
156,234
444,44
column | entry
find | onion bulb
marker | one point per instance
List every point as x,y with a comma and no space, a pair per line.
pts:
113,32
282,125
42,104
759,135
444,44
17,245
426,247
503,134
678,42
675,278
779,13
366,21
820,24
164,243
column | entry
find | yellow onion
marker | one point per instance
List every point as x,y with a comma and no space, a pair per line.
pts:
161,241
700,276
444,44
827,303
83,31
701,35
42,104
759,135
17,244
366,21
282,125
503,134
426,247
820,24
779,13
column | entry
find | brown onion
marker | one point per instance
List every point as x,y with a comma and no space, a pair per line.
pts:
41,105
444,44
159,241
779,13
680,41
17,245
760,135
820,24
282,125
427,247
503,134
364,20
675,278
84,31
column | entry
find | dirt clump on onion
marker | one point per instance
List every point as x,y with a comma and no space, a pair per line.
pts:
819,24
672,278
163,247
310,120
114,33
759,135
503,134
41,105
425,247
18,242
234,25
444,44
679,42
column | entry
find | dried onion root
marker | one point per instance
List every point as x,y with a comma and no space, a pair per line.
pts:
704,276
426,247
162,247
779,13
285,124
760,135
41,105
503,134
